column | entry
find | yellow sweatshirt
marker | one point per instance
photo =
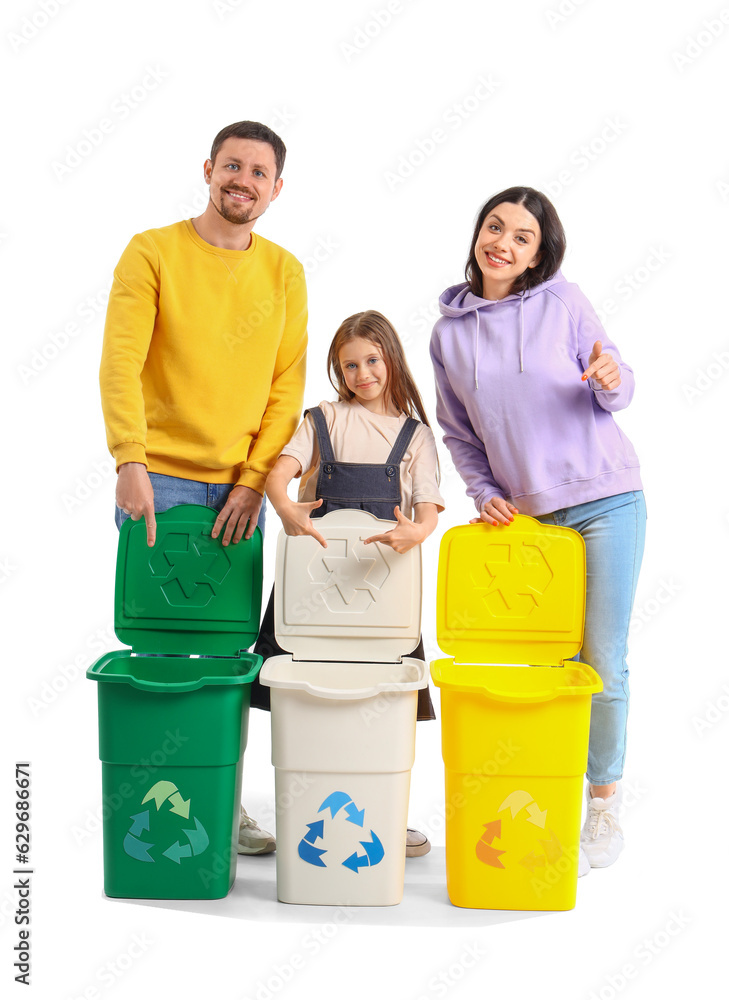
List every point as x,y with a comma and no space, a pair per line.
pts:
203,363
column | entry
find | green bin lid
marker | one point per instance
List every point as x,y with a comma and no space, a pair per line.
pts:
188,593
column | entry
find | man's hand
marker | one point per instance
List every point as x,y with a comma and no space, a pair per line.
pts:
603,368
135,496
241,508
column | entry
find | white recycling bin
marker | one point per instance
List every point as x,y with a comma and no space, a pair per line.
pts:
343,711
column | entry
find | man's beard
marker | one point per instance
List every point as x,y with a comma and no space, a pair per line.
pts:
237,218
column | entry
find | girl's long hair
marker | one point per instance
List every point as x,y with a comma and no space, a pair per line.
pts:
401,389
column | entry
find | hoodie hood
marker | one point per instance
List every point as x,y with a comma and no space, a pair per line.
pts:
459,300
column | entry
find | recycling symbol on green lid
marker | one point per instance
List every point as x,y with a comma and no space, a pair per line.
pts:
190,568
190,841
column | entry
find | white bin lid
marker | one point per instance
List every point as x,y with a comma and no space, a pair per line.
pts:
350,602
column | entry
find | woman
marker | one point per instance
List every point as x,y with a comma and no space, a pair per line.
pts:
527,382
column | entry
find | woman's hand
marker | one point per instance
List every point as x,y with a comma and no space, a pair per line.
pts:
404,536
496,511
603,368
296,519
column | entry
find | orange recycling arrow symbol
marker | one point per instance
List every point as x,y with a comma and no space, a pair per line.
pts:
484,851
514,803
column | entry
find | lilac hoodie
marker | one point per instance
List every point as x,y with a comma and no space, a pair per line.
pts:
517,419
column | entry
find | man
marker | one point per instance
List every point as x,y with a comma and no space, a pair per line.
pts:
203,363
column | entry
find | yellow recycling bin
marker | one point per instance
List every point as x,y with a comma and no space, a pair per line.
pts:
515,717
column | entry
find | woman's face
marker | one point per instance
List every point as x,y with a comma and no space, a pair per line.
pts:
507,244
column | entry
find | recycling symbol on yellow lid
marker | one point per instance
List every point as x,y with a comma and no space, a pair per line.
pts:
514,579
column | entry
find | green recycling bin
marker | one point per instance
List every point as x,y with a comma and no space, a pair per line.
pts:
173,709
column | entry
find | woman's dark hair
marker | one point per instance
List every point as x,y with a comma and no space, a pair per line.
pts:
551,248
251,130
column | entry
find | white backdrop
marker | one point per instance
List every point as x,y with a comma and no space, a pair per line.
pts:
400,120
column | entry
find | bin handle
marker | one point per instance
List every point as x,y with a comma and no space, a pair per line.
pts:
349,694
96,672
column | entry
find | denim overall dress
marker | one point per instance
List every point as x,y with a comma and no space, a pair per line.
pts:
369,486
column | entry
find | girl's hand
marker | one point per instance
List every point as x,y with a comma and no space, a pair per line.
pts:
405,536
496,511
296,520
603,368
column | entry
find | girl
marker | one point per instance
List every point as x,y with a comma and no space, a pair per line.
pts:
526,395
375,455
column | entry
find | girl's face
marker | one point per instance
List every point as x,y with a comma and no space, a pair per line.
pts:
365,373
507,244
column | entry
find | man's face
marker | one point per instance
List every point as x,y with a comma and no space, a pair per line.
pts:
242,180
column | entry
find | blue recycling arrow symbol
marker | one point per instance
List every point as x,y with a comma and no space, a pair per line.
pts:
374,853
335,802
316,831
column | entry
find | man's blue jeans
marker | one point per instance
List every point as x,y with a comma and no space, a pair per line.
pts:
169,491
614,532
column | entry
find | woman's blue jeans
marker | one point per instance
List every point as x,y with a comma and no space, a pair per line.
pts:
614,532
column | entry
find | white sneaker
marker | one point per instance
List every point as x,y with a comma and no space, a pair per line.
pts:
601,837
583,865
251,838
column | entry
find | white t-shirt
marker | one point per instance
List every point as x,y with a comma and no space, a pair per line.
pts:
358,435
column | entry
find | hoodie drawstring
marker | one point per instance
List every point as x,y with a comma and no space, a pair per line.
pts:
475,374
521,339
521,332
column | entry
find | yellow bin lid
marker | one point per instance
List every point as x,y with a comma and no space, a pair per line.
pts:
511,594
